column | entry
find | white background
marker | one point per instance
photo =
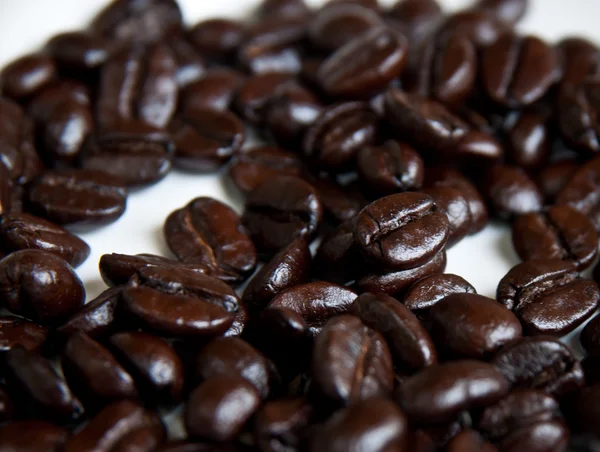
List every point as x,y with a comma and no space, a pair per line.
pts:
26,24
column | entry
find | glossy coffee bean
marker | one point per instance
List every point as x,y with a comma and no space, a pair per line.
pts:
454,204
579,58
7,191
365,64
288,268
590,336
541,363
180,303
280,210
316,302
508,11
217,39
32,436
554,176
138,21
517,71
338,134
27,75
469,441
39,285
158,369
427,292
78,51
529,139
141,439
205,139
254,95
220,407
77,197
341,202
548,296
336,251
15,331
376,424
472,326
481,27
585,410
581,192
409,342
281,8
37,385
109,426
417,19
281,424
392,283
94,374
561,232
190,64
575,105
351,361
511,192
392,230
215,89
439,393
209,232
552,435
391,168
23,231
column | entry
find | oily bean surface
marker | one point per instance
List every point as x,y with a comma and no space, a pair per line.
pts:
32,436
456,207
427,292
281,423
17,331
511,192
27,75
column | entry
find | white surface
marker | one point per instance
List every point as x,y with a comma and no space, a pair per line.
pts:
26,24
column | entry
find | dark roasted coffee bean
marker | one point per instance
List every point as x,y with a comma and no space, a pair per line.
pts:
39,285
27,75
341,202
401,231
541,363
335,25
454,204
481,27
517,71
577,105
233,357
553,177
97,317
77,197
472,326
217,39
288,268
393,283
508,11
220,407
409,342
511,192
316,302
144,439
107,428
181,302
204,446
254,95
339,133
78,51
17,331
584,416
20,231
280,210
552,435
591,368
560,232
158,369
281,8
338,255
205,139
390,168
208,232
32,436
138,21
281,424
7,191
94,374
42,392
215,89
580,59
365,64
528,137
590,336
351,361
548,296
189,62
439,393
469,441
425,293
582,191
376,425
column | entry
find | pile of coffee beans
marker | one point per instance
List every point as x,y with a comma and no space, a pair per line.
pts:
320,319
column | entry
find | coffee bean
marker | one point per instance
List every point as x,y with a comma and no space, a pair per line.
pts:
280,210
548,296
417,19
215,89
316,302
220,407
580,59
208,232
280,424
15,331
338,134
27,75
194,446
6,191
365,64
560,232
376,425
469,441
409,342
585,410
582,191
454,204
482,27
32,436
576,105
20,231
553,177
351,361
425,293
390,168
472,326
140,22
254,95
392,230
77,197
508,11
143,439
94,374
189,62
540,363
341,202
552,435
590,336
511,192
40,390
40,285
591,369
78,51
529,139
338,255
281,8
217,39
439,393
